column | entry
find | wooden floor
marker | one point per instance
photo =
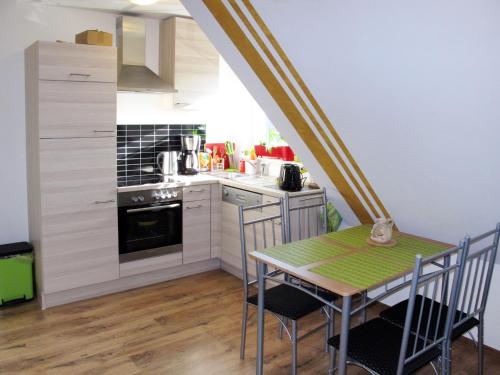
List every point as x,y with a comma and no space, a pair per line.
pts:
185,326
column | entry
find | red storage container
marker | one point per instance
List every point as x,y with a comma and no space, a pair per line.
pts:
287,154
261,150
280,152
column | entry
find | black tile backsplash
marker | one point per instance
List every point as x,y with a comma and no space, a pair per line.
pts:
138,146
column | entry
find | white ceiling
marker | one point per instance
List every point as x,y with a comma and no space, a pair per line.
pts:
160,9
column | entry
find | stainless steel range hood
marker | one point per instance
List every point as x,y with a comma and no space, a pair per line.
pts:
133,74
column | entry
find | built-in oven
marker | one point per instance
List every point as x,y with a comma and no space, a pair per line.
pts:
149,223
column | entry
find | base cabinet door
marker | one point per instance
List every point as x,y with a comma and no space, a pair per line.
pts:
231,244
231,238
80,247
79,232
76,109
196,231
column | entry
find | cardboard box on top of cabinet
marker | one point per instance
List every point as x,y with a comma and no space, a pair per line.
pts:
94,37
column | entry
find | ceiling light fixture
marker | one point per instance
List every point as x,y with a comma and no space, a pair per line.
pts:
143,2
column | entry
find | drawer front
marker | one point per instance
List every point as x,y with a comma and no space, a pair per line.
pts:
196,231
76,62
79,246
76,109
196,193
305,200
150,264
308,222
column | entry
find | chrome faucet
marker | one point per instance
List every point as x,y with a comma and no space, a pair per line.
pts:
258,165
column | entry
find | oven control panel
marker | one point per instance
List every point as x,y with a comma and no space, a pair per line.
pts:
135,198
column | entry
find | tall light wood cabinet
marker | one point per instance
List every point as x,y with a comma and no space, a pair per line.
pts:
188,60
71,162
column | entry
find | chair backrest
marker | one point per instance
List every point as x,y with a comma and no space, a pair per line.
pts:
306,216
478,271
429,313
261,226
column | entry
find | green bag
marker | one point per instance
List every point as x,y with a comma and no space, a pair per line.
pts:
333,218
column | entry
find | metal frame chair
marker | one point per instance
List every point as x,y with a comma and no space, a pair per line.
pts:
321,223
284,301
472,301
473,293
424,335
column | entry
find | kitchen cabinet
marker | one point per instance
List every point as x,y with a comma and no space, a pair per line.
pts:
188,60
75,62
196,193
216,221
196,231
231,243
76,109
71,162
305,223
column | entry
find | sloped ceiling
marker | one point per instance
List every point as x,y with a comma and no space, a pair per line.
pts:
408,88
411,88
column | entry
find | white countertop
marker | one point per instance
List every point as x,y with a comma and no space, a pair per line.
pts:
263,185
180,181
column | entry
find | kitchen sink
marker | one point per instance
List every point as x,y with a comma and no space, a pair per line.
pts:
242,177
228,175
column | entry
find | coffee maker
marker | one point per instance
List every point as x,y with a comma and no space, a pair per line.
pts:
188,158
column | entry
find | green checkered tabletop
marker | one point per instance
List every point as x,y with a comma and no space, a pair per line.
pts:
301,253
345,260
354,237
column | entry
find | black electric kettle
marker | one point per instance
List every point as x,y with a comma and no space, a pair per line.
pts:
290,178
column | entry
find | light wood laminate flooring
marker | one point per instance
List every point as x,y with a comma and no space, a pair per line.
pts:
185,326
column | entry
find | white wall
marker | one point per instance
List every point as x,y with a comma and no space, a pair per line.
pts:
21,24
412,88
230,114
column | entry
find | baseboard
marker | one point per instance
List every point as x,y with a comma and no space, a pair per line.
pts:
232,270
127,283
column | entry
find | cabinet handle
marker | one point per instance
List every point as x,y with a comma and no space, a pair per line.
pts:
309,199
80,74
197,191
193,207
154,208
103,202
104,131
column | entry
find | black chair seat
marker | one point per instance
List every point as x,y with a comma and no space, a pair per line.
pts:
290,302
376,344
397,314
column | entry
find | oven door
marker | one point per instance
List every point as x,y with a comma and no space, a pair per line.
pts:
149,230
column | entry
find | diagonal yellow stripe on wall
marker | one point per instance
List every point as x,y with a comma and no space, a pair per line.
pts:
299,99
287,106
322,114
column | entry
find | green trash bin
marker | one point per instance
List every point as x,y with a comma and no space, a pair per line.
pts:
16,273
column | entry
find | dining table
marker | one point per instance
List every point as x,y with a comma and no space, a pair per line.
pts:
346,264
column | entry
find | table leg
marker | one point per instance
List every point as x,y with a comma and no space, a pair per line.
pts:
364,299
446,264
260,325
344,334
